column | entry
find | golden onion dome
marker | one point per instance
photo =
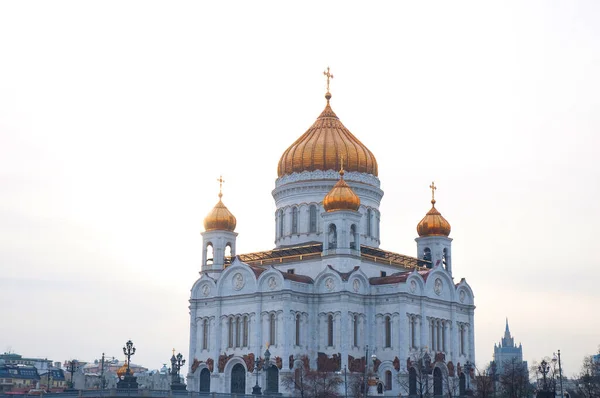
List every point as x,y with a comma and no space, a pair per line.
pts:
122,370
433,224
220,218
323,144
341,197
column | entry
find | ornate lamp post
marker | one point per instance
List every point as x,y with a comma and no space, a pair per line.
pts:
71,368
49,378
128,350
560,375
129,381
102,380
256,390
544,368
176,363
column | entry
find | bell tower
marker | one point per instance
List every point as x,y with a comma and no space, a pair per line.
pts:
433,243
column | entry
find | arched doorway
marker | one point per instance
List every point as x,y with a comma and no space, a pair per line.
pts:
412,381
437,382
238,379
205,380
272,380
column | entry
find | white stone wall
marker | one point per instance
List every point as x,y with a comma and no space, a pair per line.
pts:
239,292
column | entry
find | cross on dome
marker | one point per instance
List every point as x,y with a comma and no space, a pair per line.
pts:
221,181
433,188
329,76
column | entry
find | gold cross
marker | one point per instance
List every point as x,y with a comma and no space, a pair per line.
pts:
433,188
221,181
173,351
329,77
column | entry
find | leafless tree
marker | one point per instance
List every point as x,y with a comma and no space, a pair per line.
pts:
588,381
514,380
313,383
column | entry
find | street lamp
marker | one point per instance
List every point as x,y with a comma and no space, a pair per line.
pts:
49,379
71,367
128,350
256,390
544,368
560,375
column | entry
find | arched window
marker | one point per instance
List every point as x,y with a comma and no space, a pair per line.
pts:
445,259
388,380
413,337
461,339
412,381
332,241
297,329
355,327
237,331
330,330
388,332
230,325
313,219
227,254
368,219
353,237
427,255
272,329
437,382
280,219
295,220
245,330
205,334
209,254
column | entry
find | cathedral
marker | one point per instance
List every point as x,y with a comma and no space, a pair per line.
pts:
327,298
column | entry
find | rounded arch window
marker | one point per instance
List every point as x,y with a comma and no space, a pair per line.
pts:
312,222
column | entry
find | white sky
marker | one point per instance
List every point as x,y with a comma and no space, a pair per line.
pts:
116,118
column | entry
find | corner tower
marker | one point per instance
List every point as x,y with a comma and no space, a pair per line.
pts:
218,238
308,170
433,243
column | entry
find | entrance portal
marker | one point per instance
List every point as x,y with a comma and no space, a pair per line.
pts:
205,380
238,379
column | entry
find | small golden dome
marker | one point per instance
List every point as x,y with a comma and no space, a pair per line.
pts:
341,197
323,144
122,370
220,218
433,224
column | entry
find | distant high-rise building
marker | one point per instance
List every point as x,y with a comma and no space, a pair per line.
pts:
506,352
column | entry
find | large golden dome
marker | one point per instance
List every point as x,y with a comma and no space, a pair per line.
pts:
322,146
220,218
433,224
341,197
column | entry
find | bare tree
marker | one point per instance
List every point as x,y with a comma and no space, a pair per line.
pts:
514,380
484,383
588,381
312,383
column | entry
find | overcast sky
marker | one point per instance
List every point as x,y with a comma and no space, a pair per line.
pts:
116,119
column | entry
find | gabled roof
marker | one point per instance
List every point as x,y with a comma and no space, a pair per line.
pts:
399,277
